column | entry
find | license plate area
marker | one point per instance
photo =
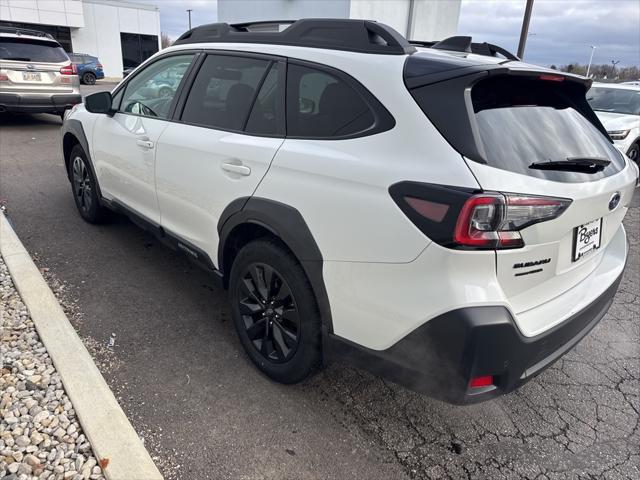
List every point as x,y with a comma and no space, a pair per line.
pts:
32,76
587,239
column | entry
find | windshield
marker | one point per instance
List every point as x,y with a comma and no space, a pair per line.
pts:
521,122
29,50
615,100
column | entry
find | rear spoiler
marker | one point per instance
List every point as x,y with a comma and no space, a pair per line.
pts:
465,44
487,69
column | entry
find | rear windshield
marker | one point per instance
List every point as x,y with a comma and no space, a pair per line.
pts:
615,100
29,50
522,121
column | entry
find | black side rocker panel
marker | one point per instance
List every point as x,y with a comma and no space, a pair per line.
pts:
286,223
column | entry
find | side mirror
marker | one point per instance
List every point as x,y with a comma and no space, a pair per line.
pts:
99,102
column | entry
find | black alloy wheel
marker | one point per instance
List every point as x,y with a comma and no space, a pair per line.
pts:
85,187
82,185
269,312
275,312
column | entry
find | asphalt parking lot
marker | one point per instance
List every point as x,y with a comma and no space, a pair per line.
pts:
206,413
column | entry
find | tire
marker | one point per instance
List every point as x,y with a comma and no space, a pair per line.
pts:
634,153
89,78
281,335
84,188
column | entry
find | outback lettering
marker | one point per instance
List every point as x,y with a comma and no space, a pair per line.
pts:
534,263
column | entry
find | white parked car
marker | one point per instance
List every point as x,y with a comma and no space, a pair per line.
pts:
447,219
618,108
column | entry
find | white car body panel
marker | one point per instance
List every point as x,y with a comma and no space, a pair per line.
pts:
193,185
619,121
124,165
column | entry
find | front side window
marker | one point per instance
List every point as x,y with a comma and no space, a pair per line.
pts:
223,92
151,92
321,105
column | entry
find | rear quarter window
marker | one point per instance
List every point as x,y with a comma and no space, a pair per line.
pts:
326,105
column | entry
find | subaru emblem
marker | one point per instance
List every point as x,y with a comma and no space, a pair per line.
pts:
615,200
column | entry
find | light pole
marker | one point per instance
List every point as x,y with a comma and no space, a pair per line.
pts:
593,49
525,28
189,10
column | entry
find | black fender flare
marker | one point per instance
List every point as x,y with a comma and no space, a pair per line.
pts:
286,223
75,128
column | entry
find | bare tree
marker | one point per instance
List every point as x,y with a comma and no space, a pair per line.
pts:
165,40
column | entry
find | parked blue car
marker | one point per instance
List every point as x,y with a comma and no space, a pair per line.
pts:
89,68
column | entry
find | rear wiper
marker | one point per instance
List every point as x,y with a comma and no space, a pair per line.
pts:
16,59
573,164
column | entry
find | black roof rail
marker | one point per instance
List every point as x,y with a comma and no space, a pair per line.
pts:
464,44
364,36
25,31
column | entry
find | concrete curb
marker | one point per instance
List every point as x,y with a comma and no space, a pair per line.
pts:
104,423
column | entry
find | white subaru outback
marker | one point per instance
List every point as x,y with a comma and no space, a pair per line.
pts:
443,215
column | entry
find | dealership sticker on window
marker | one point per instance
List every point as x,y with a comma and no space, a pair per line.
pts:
587,238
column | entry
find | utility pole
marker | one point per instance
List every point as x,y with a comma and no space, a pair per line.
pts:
593,49
189,10
613,67
525,28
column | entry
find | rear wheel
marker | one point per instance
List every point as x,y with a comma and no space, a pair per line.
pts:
275,312
84,187
634,152
89,78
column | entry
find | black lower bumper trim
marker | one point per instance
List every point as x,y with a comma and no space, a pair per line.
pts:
57,103
440,357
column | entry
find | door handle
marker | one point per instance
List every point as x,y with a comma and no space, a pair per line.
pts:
235,168
144,143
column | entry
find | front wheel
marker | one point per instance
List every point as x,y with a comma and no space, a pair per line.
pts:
275,312
84,187
634,153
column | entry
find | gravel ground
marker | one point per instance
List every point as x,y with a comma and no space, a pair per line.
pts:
40,437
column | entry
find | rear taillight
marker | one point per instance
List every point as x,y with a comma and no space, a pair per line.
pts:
481,382
4,77
461,218
494,220
99,66
70,69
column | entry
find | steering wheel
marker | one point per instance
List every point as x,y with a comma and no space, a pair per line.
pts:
140,109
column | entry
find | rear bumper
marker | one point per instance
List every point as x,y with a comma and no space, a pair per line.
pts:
440,357
56,103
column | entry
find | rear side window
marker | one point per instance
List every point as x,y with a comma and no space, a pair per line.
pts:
223,92
522,121
321,105
29,50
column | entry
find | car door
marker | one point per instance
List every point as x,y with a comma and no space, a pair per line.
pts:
124,144
220,144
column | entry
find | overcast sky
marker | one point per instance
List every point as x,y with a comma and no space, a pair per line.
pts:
561,31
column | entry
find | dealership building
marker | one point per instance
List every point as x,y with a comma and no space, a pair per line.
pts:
121,34
415,19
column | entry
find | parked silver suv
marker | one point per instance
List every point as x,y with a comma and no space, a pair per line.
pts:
36,75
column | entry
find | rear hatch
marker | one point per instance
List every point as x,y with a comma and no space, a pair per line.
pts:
34,65
531,133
